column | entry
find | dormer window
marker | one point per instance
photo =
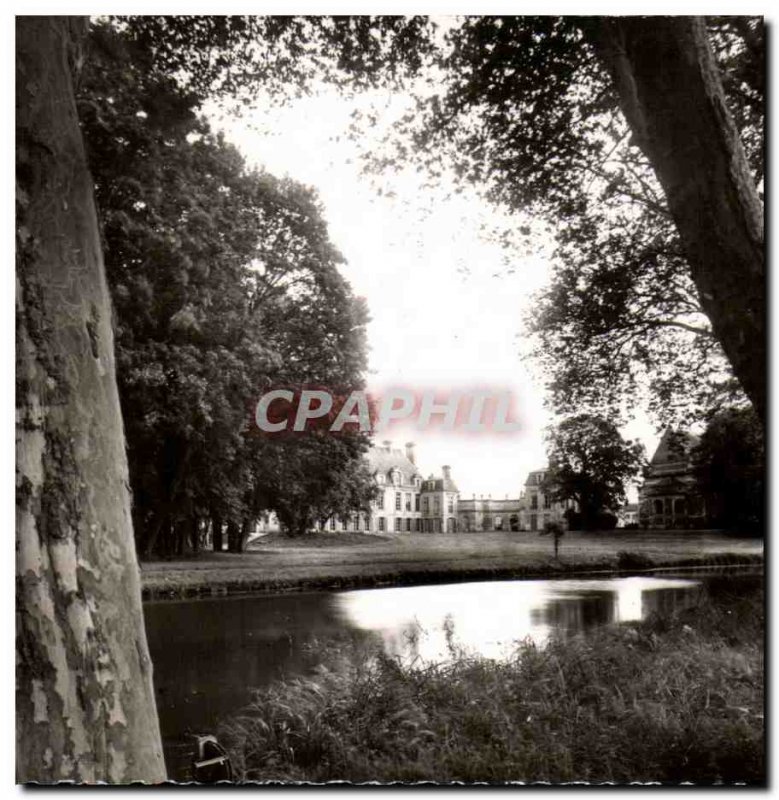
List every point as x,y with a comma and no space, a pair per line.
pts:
380,478
398,478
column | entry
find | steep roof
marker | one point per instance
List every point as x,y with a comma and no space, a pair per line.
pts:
439,485
674,448
382,459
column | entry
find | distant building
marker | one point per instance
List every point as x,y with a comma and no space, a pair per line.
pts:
537,505
628,515
398,507
480,514
668,498
440,498
406,502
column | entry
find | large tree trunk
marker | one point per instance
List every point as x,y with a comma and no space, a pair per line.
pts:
85,707
671,95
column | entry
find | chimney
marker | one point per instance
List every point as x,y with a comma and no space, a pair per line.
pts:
447,472
410,455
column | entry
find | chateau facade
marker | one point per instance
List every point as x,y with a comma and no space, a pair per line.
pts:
406,502
537,505
489,514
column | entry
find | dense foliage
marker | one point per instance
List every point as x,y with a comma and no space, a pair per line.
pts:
729,466
591,464
524,109
224,282
528,114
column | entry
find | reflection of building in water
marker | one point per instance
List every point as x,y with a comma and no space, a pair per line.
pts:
669,499
576,612
663,603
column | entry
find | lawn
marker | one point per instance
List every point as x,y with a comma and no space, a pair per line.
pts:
275,563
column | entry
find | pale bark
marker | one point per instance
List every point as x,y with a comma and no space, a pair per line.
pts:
671,94
85,702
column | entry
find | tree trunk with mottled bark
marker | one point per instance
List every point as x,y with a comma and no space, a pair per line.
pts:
85,708
671,94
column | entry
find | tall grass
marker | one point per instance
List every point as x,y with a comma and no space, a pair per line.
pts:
672,699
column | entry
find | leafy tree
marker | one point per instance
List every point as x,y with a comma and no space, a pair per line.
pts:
224,282
729,463
533,112
308,479
540,113
591,464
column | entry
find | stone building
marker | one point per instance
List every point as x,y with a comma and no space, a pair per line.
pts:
480,514
398,508
406,503
537,506
668,498
440,500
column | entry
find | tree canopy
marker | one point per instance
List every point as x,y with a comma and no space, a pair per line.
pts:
729,465
533,110
591,464
224,282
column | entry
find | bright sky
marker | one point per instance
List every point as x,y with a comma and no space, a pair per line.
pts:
445,311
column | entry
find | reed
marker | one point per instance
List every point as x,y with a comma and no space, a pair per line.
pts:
672,699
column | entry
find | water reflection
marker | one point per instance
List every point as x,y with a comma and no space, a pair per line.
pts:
430,622
210,654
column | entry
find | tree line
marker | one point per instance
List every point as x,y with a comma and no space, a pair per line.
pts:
224,282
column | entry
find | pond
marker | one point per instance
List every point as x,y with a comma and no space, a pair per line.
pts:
209,654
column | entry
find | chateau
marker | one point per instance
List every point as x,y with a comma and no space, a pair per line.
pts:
409,503
537,506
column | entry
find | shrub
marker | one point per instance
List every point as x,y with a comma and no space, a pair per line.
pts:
627,559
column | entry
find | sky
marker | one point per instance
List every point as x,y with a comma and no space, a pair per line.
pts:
446,313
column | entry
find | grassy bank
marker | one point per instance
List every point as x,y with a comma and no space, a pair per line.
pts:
340,561
671,699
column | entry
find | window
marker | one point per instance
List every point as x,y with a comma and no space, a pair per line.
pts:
398,520
381,524
450,505
534,502
380,500
419,525
398,498
332,523
408,502
380,479
425,506
397,478
658,506
437,505
416,502
547,501
408,525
